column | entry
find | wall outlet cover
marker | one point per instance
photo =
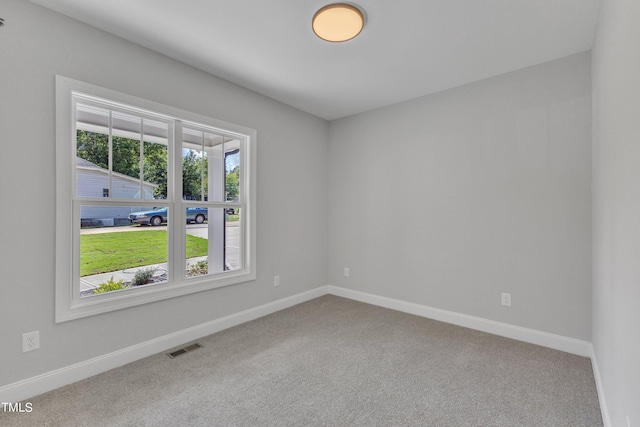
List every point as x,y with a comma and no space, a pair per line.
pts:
506,299
30,341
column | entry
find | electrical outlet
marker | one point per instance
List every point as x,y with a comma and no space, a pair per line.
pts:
30,341
506,299
276,280
346,272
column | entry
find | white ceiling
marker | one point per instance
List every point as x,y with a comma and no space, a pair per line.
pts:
408,48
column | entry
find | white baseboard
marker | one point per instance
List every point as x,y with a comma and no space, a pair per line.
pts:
39,384
43,383
557,342
604,409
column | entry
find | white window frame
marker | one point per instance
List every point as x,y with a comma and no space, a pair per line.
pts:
68,304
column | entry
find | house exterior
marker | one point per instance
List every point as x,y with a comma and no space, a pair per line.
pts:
93,181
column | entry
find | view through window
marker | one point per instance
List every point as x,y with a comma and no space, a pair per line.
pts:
124,155
156,201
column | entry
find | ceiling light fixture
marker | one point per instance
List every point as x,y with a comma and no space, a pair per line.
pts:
338,22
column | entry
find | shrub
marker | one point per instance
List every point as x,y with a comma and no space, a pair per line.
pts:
198,269
143,276
109,286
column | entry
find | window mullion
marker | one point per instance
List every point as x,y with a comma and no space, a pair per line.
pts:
223,160
110,155
141,160
177,220
202,154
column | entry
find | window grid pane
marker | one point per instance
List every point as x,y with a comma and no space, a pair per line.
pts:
115,256
138,149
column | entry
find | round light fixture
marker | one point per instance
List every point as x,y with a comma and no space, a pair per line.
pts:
337,22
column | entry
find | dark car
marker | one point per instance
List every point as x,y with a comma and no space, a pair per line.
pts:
158,216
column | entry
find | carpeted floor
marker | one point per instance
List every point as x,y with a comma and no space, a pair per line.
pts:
334,362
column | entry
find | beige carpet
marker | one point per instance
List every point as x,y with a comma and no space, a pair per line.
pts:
334,362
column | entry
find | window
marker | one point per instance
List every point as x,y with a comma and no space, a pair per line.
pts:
152,202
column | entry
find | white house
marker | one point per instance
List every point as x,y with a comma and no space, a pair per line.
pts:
93,181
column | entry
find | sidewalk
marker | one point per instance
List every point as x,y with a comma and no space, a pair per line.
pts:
198,230
126,275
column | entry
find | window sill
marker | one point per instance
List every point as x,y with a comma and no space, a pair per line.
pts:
117,300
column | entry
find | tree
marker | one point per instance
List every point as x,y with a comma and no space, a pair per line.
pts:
232,183
191,176
155,167
94,147
126,156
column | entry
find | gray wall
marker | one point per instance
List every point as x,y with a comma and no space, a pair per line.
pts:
450,199
35,45
446,200
616,207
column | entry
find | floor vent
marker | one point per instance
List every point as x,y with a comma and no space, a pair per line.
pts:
184,350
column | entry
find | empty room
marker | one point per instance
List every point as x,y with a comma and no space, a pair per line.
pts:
246,213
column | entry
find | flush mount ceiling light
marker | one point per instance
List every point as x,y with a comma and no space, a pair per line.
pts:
338,22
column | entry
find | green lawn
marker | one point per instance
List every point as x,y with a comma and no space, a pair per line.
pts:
106,252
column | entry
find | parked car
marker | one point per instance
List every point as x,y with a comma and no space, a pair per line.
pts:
232,211
158,216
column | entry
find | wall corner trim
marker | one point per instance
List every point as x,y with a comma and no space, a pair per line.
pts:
48,381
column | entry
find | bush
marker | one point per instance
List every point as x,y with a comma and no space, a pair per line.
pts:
109,286
143,276
198,269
